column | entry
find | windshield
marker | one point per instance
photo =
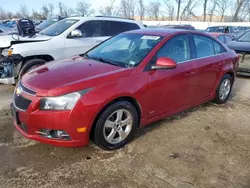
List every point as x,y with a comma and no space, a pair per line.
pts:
215,29
46,23
59,27
245,37
125,50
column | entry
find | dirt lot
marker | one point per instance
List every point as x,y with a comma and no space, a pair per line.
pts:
210,146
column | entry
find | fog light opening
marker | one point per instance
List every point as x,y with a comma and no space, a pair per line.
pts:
53,134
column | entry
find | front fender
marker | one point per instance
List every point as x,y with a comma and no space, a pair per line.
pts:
134,86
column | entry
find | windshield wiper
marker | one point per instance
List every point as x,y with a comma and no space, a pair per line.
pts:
102,60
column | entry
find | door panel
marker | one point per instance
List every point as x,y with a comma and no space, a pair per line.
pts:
78,46
208,60
171,89
208,72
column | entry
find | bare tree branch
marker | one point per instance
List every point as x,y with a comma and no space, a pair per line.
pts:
109,9
169,9
64,10
24,12
84,9
188,9
205,10
45,12
222,6
51,8
127,8
239,5
154,10
212,9
179,3
141,9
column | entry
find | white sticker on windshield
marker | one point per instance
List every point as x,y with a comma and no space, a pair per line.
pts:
146,37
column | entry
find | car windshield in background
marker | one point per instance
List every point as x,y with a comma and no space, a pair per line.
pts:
215,29
59,27
125,50
46,23
245,37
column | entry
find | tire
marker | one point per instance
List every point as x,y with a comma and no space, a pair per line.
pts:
114,134
28,65
219,99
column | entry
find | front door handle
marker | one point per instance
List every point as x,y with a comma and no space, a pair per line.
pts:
191,73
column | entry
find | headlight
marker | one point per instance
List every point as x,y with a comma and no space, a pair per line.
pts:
7,52
64,102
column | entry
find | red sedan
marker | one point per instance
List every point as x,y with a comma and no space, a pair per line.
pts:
126,82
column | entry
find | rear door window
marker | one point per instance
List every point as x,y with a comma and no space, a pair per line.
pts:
204,46
111,28
218,48
91,28
177,48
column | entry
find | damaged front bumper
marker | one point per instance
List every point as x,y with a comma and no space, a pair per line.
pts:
9,68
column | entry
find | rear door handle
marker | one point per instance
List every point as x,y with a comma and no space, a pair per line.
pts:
191,73
99,41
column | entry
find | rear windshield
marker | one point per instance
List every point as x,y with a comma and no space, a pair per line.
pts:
215,29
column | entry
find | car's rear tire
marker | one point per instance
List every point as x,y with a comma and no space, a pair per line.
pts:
29,65
224,90
116,126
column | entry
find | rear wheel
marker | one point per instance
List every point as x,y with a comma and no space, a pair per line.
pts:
116,126
224,89
29,65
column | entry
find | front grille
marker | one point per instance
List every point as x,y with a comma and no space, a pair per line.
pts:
21,102
27,90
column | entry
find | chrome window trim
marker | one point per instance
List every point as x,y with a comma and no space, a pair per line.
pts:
181,62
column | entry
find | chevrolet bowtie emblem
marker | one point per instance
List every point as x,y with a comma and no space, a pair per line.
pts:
19,91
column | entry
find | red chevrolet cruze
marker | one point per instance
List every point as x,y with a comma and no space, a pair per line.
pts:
124,83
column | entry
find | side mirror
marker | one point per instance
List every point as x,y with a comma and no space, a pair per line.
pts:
76,33
164,63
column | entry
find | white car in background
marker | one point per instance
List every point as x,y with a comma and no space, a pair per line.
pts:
66,38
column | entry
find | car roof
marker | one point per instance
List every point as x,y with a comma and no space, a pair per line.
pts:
164,31
103,18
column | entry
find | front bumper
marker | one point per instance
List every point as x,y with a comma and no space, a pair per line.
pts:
9,68
32,120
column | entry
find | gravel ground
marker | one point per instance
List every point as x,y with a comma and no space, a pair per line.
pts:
208,146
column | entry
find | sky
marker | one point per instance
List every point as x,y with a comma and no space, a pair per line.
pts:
14,5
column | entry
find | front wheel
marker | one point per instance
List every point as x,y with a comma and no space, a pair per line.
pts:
29,65
224,89
116,126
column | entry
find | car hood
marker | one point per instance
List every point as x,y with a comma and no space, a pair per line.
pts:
239,46
8,40
70,75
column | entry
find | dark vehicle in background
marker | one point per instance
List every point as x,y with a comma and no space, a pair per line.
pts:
220,29
46,24
223,37
187,27
242,47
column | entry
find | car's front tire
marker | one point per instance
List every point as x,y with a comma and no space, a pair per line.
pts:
224,90
116,126
29,65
